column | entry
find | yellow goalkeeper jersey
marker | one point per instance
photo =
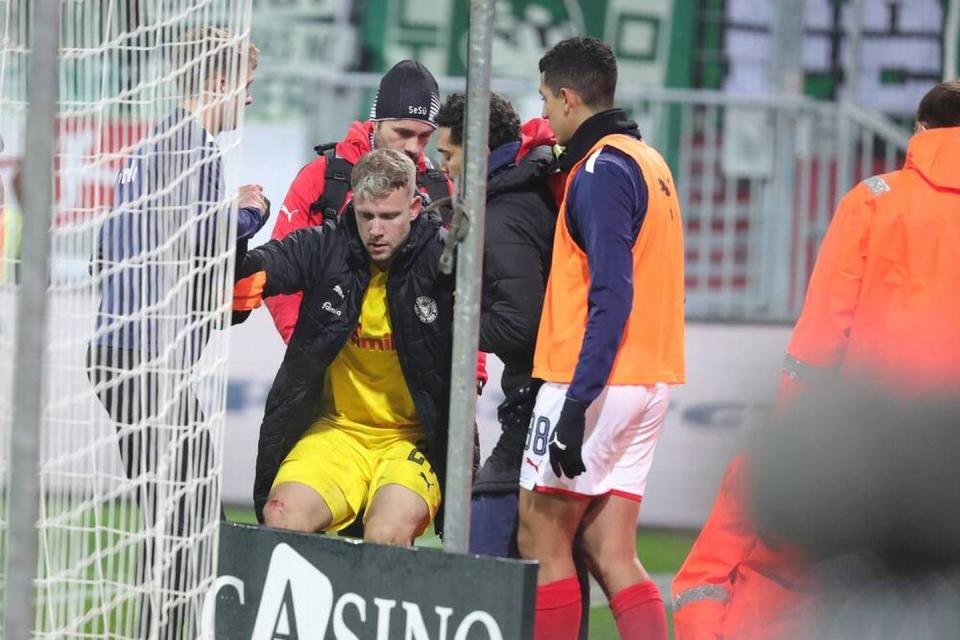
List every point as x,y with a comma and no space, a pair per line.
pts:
364,384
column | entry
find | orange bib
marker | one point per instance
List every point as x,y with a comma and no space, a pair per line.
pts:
652,349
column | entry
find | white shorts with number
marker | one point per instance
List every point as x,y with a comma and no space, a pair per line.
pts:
621,434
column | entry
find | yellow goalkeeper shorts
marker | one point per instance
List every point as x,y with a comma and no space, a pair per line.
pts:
346,465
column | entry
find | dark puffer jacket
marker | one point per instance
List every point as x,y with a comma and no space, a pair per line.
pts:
520,221
330,265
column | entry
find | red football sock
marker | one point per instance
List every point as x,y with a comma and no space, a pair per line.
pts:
558,610
639,612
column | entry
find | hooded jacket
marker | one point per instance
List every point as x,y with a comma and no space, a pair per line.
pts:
882,299
171,187
521,216
331,267
520,220
732,585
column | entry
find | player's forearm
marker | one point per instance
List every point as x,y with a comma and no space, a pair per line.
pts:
605,327
610,300
249,222
248,288
277,264
608,218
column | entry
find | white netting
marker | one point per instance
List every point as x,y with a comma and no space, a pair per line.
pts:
141,267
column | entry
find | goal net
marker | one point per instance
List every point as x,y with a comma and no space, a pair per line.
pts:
151,100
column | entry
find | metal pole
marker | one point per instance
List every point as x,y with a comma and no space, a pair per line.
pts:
24,487
849,96
854,53
466,311
951,38
786,78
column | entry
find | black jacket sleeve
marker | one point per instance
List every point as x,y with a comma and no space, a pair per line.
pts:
514,281
291,264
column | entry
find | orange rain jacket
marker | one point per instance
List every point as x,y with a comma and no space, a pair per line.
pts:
732,586
883,298
882,303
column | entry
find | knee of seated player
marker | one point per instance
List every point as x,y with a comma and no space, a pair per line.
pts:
395,516
275,513
384,530
296,508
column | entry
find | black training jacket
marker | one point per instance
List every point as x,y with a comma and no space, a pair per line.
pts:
518,242
330,265
520,220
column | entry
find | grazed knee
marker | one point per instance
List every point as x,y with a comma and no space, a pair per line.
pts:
275,513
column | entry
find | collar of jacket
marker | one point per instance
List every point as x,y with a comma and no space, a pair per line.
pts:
502,157
187,126
597,126
530,173
423,229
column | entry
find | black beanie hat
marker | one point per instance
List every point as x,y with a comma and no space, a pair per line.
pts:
408,91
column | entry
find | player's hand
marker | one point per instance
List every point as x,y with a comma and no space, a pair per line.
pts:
251,197
566,443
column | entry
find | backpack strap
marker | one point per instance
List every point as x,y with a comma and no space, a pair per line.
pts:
336,184
323,148
434,182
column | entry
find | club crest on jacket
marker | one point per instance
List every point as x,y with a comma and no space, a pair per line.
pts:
426,309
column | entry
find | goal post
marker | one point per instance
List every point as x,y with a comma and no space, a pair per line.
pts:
463,397
31,313
141,252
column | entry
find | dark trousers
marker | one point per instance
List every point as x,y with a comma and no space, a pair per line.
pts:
493,525
169,459
494,519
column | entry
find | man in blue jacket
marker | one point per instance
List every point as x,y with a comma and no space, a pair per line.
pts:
160,264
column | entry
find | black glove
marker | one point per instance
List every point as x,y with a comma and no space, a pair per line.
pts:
517,408
566,443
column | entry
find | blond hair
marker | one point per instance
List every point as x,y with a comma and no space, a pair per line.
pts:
381,172
205,52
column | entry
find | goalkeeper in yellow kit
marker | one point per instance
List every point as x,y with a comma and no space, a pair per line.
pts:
356,420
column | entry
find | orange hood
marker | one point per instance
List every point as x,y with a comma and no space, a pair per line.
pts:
935,154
